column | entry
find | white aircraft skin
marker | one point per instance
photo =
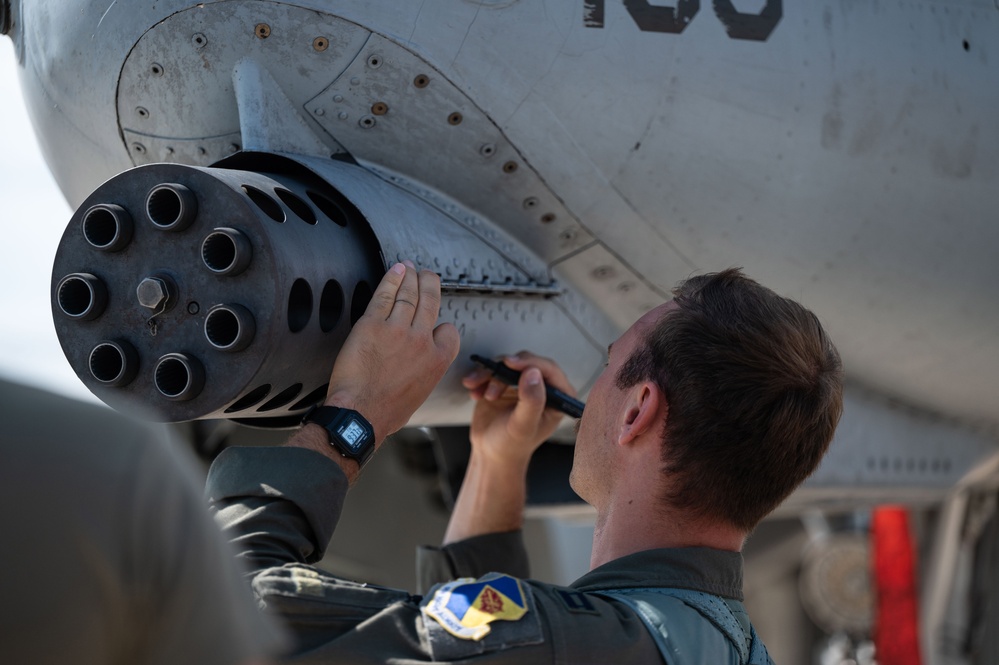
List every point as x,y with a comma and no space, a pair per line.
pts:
844,153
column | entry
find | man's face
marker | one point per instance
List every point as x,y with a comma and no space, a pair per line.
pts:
593,466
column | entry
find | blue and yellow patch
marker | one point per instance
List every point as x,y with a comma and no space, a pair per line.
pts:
466,607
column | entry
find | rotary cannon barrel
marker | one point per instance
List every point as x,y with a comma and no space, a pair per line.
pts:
210,292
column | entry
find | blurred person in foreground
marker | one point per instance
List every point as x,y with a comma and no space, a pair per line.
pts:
109,555
712,408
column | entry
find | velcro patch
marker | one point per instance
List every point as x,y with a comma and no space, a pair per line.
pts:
468,616
576,601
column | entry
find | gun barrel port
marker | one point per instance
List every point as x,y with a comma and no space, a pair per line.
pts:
179,377
107,227
226,251
171,207
229,327
81,296
114,363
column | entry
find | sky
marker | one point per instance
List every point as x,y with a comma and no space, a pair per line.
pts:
33,216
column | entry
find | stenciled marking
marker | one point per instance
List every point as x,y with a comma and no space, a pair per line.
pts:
674,20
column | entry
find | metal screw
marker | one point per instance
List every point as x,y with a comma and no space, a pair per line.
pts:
262,30
454,118
199,40
548,217
421,81
367,122
510,167
153,293
379,108
374,61
487,150
320,44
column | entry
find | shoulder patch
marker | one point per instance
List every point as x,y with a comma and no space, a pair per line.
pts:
467,616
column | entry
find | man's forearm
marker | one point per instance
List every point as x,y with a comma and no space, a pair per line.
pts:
491,499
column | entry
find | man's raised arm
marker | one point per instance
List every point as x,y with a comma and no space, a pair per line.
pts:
508,425
281,505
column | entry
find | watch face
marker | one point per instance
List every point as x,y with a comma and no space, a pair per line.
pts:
353,434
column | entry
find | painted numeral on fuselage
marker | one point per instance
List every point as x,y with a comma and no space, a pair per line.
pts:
659,18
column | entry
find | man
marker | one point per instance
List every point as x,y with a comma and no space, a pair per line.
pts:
713,407
108,555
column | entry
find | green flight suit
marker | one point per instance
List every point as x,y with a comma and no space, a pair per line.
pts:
280,507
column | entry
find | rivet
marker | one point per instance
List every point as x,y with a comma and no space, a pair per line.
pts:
355,80
157,69
487,150
454,118
338,98
142,112
374,61
199,40
379,108
202,151
193,307
343,115
262,30
530,202
548,218
320,43
139,148
510,167
367,122
320,111
421,81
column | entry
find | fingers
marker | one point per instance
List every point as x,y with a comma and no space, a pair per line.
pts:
530,401
383,299
407,296
429,308
552,373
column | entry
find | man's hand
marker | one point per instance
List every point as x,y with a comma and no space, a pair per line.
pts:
507,427
509,423
393,358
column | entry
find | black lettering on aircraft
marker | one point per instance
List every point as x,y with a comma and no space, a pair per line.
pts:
752,27
658,18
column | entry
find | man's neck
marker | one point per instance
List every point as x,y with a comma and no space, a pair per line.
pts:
630,524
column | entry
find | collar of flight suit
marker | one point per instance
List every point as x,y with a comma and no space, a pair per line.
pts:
717,572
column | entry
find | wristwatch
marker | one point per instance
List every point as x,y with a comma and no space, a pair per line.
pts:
349,432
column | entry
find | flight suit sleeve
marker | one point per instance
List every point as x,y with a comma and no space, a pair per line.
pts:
473,557
280,507
276,505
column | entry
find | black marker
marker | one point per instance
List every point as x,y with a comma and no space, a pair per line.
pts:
556,399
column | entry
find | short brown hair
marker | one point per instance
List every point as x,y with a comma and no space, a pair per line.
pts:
754,388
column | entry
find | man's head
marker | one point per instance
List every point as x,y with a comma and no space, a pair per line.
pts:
753,392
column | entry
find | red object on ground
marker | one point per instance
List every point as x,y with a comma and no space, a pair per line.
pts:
896,620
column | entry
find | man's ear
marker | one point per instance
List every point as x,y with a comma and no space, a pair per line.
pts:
645,410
